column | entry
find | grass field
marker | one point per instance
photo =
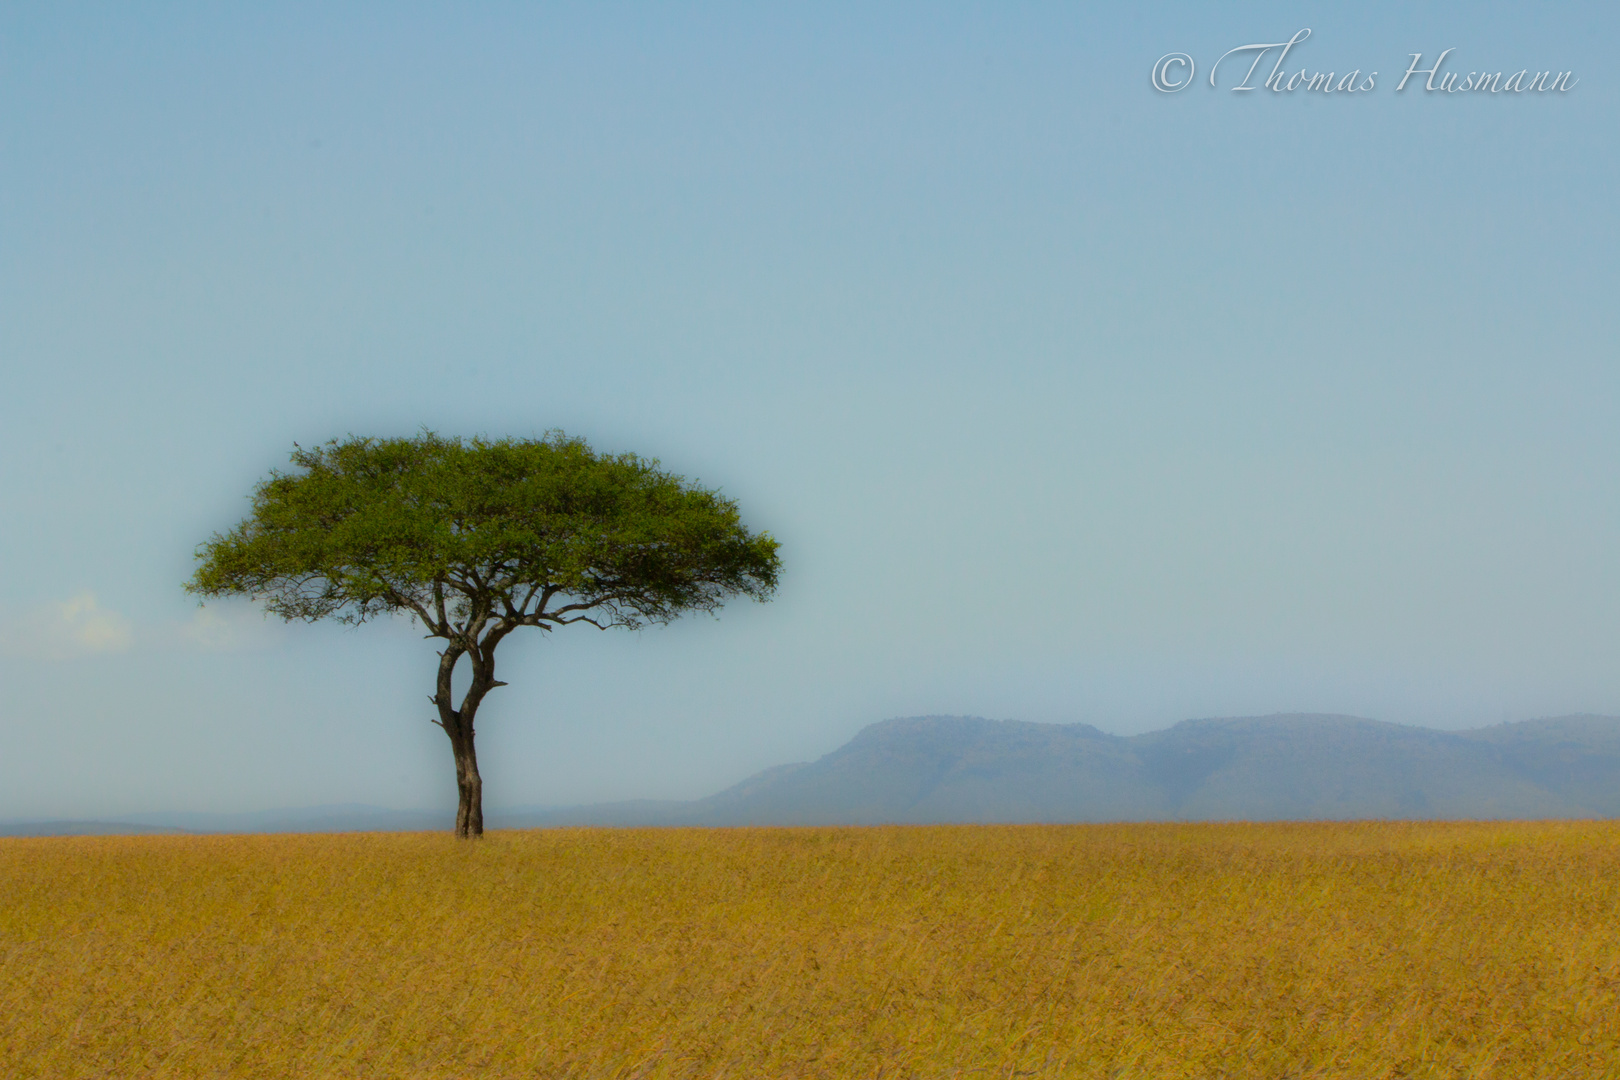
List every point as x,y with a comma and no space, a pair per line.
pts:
1320,950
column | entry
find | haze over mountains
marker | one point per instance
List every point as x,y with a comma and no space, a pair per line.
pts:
940,769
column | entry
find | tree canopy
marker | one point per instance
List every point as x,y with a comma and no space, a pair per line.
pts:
477,538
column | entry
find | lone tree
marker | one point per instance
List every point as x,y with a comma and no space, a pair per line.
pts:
475,539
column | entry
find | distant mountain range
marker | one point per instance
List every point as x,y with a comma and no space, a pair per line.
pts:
937,769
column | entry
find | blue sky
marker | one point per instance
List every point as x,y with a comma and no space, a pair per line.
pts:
1069,400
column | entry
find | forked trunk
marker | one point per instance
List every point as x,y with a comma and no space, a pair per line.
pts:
458,724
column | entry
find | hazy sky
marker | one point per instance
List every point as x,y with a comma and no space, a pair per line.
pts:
1068,399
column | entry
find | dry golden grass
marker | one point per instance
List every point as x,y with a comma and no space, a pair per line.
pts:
1322,950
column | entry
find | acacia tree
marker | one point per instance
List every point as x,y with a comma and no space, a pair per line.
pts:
476,539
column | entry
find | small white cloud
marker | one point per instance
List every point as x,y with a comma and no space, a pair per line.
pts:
92,628
77,627
80,626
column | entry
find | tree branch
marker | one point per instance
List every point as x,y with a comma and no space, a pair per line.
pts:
403,601
579,619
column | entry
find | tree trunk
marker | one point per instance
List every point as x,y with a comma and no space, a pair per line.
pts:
458,724
469,787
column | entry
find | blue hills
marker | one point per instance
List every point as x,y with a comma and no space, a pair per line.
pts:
958,769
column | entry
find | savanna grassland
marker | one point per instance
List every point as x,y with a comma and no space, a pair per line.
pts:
1317,950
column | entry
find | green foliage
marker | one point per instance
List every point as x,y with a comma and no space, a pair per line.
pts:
503,533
